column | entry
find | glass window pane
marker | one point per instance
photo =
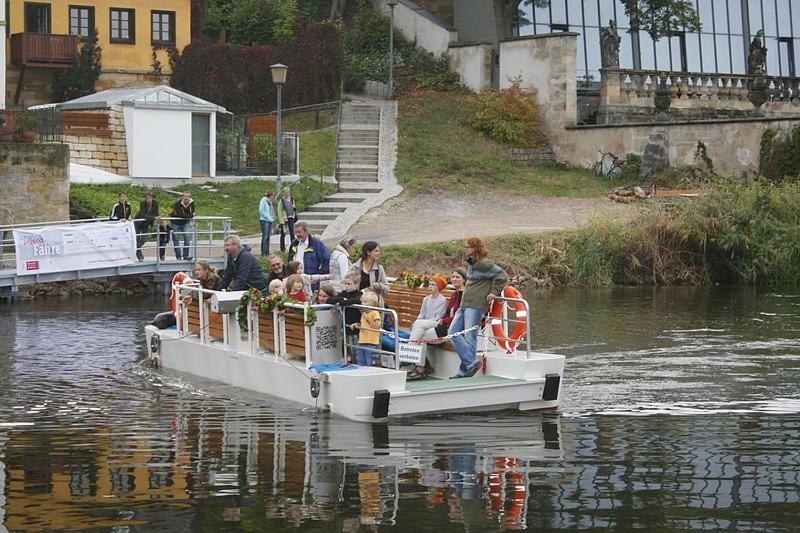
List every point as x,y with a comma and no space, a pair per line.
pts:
755,16
114,16
124,25
622,18
772,56
648,53
607,12
541,15
575,16
706,18
693,52
707,41
593,62
735,11
542,28
785,20
738,66
723,58
795,9
770,28
662,54
558,9
590,13
625,51
721,15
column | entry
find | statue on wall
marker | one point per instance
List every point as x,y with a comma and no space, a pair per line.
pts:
609,45
757,60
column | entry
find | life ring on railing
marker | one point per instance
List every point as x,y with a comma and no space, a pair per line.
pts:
508,342
177,280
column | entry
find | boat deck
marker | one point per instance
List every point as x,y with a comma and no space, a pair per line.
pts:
431,384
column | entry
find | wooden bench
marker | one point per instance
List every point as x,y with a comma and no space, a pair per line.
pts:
406,302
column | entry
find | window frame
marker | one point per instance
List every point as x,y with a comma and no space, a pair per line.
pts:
38,5
172,24
131,25
90,22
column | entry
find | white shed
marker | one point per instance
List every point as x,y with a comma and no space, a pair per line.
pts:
167,133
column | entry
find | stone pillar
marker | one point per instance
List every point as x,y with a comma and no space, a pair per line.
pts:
35,181
3,22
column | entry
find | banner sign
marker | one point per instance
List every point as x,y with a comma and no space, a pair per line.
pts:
411,353
76,247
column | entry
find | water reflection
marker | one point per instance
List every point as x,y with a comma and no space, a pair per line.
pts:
92,438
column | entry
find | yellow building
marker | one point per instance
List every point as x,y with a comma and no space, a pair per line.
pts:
135,36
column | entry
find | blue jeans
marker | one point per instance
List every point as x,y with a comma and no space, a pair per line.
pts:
177,230
466,345
290,226
266,231
367,357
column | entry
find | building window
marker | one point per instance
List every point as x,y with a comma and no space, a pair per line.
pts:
163,27
123,25
37,18
81,20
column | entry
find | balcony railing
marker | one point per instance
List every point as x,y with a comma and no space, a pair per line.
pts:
43,49
626,94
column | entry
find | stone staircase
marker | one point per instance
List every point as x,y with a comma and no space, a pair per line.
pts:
358,151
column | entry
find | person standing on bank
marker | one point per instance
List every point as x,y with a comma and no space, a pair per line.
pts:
266,215
242,270
286,215
183,213
340,261
310,251
148,211
371,273
485,280
122,209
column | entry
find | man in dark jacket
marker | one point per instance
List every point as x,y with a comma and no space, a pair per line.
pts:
148,211
182,214
310,251
242,268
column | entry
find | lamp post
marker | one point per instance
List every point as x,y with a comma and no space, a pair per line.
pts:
391,3
279,78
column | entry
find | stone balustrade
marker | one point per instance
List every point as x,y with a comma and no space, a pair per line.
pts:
629,95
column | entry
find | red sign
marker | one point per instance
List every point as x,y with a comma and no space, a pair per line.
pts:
32,265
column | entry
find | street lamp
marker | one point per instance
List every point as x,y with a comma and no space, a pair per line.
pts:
391,3
279,78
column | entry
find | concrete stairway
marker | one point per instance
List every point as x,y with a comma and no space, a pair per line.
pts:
358,152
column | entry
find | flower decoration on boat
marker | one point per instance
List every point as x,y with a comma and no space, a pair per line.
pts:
267,304
414,281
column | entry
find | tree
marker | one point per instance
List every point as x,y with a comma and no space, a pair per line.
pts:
252,22
79,80
659,18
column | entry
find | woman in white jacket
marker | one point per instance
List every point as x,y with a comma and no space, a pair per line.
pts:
340,262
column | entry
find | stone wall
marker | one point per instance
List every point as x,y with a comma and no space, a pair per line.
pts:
473,63
35,183
108,151
38,88
532,156
546,64
733,146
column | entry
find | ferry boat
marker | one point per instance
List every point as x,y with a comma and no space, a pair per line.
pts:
297,353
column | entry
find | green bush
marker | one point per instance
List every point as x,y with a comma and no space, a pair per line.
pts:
780,157
264,147
509,116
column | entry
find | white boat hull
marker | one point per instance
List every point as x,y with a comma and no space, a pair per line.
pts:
509,382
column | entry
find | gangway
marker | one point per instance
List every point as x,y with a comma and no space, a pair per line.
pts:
206,234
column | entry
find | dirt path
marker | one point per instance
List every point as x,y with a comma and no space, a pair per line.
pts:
429,218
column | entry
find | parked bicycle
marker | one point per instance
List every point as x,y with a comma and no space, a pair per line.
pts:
609,166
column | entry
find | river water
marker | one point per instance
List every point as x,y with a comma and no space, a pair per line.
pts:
681,410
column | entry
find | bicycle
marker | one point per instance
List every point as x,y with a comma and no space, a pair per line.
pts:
603,169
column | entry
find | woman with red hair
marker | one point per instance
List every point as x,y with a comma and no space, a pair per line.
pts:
485,280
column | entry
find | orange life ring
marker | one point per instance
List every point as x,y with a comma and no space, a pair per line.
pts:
508,342
177,280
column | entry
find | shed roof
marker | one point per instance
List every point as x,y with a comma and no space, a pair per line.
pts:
156,97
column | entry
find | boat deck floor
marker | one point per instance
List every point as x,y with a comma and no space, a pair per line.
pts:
431,383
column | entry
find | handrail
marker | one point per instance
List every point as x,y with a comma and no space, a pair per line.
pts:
337,135
299,109
381,310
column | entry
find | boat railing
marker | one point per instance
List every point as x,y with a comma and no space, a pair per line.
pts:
206,320
383,311
509,324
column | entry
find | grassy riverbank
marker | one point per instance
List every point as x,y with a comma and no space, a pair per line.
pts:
437,149
739,234
237,200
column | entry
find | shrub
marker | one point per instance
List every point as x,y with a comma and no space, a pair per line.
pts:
264,148
80,78
780,157
238,77
509,116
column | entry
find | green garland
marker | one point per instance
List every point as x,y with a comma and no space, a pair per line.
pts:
267,304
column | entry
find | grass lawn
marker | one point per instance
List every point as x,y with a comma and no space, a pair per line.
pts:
318,153
438,149
237,200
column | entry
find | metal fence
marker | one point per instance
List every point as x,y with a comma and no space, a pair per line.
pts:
31,125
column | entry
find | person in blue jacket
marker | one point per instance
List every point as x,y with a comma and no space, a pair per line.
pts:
310,251
266,215
242,271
